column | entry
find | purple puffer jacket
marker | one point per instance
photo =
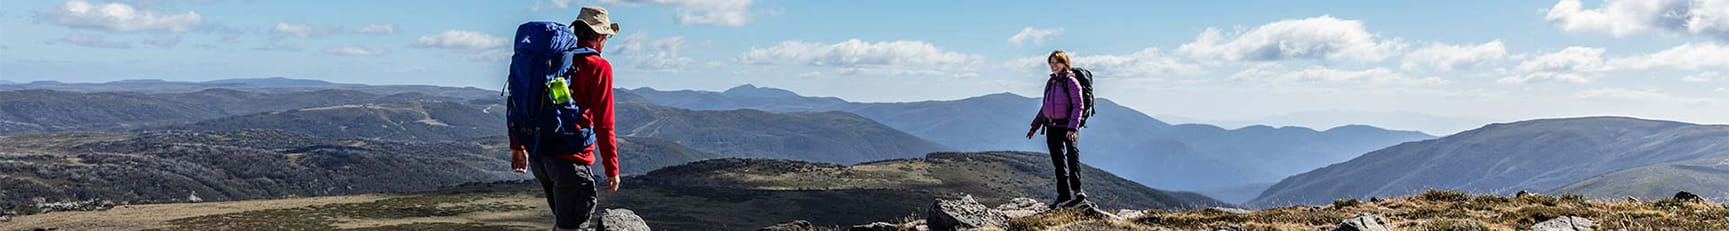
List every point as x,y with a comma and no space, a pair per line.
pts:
1062,101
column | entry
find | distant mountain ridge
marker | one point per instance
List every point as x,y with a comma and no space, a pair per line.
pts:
1546,155
841,137
257,85
1119,139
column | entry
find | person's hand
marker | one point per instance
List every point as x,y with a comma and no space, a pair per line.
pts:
519,161
1074,135
1030,133
612,184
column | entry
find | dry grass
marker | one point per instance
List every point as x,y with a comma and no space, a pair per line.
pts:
1432,210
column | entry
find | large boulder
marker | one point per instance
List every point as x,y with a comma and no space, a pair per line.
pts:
1022,207
620,220
963,213
1364,222
1567,223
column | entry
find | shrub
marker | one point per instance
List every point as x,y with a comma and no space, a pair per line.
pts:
1572,198
1539,199
1444,195
1346,203
1452,225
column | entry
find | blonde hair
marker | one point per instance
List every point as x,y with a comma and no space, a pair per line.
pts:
1060,56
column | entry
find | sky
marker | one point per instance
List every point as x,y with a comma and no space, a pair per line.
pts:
1435,66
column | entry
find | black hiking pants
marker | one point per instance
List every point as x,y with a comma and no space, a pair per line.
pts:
569,188
1067,159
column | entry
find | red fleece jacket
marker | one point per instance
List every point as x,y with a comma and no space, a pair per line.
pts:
591,86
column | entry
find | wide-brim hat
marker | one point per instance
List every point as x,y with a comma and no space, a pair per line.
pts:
595,18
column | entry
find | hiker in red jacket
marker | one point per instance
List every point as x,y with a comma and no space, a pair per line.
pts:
567,178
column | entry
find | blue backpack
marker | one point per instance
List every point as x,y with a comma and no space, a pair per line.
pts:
538,99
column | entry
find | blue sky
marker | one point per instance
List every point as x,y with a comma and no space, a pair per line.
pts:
1398,64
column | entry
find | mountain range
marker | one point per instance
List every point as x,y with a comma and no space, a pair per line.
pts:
1603,157
1118,139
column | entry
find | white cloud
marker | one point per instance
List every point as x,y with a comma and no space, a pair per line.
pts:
120,17
1627,17
1148,62
1702,77
712,12
93,40
459,39
1454,57
1574,64
1324,76
302,30
1320,38
491,55
377,29
353,51
855,56
655,55
555,4
1647,95
1685,56
1035,35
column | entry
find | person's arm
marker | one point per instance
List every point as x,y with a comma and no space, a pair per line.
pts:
601,111
1076,105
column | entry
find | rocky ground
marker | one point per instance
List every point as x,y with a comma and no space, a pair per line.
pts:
488,209
1432,210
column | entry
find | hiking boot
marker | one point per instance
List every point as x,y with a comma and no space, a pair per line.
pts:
1058,202
1080,198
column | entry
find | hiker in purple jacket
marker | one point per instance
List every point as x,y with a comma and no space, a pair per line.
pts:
1060,116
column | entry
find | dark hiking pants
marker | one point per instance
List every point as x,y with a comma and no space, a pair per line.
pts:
1067,159
569,189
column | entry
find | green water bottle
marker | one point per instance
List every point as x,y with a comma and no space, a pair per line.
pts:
559,90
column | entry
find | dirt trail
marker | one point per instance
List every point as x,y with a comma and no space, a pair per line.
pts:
140,217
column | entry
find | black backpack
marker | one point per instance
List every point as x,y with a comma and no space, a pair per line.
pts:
1086,79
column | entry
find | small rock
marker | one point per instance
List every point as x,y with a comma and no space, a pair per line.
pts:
879,226
5,218
1226,228
1567,223
1236,211
963,213
1522,193
620,220
1022,207
1092,210
798,225
1375,199
1364,222
1131,214
1685,196
1632,199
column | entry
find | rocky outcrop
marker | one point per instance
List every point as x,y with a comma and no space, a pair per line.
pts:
1022,207
620,220
1567,223
963,213
1685,196
798,225
1364,222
